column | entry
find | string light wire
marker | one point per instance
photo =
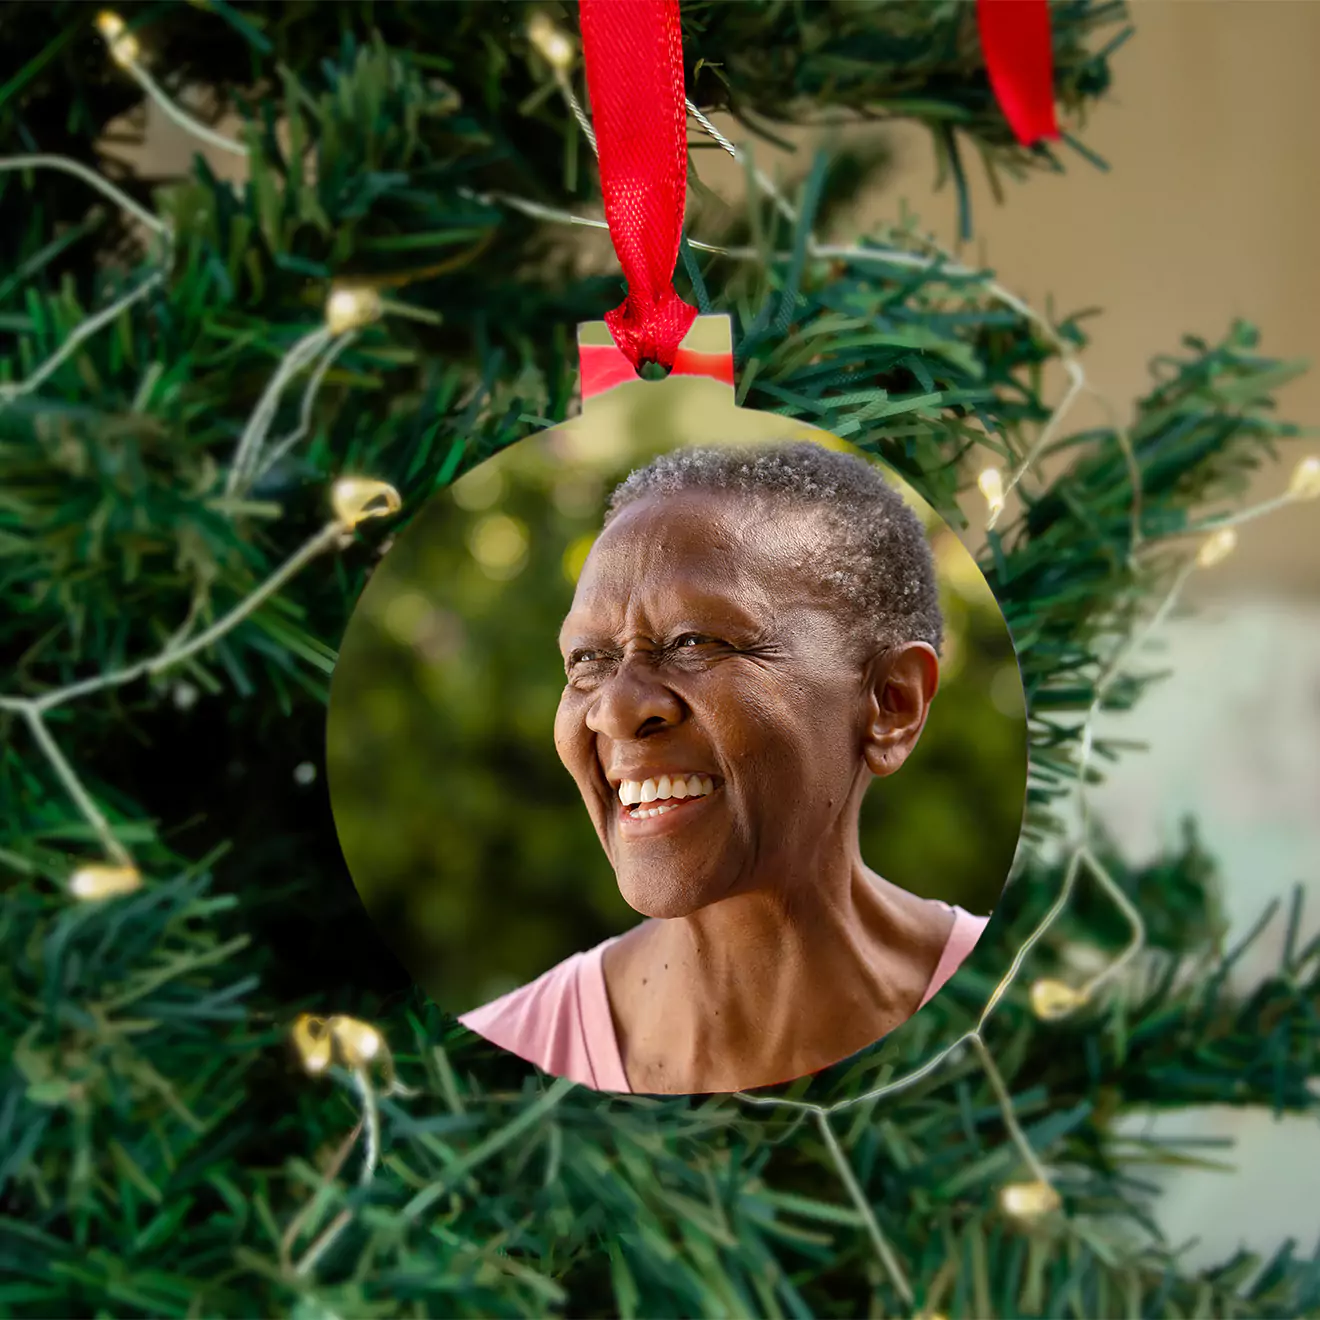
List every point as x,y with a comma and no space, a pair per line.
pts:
248,460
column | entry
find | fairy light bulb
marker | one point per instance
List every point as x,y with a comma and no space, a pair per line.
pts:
342,1039
1028,1202
355,499
1216,548
92,883
359,1042
312,1039
553,45
352,306
991,484
1305,482
1051,1000
123,45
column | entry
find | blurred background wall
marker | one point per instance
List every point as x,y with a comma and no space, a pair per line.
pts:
1212,132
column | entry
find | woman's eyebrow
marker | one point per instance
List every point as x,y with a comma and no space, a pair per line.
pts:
721,611
573,634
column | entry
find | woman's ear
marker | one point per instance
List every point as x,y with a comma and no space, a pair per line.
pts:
901,682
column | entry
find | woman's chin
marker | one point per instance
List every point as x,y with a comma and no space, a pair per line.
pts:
653,898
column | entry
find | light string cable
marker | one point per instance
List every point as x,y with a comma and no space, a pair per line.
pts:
1050,999
126,52
355,308
12,390
354,499
357,1047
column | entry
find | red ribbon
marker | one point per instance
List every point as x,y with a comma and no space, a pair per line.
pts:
633,50
1015,36
605,367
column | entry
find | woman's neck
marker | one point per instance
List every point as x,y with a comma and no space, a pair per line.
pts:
770,985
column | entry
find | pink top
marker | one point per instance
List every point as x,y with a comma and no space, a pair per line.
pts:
561,1021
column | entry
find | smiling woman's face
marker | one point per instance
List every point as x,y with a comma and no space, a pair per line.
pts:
701,658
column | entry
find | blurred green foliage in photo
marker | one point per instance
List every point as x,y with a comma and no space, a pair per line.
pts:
467,838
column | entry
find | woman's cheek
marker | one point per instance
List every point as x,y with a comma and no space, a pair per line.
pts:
570,728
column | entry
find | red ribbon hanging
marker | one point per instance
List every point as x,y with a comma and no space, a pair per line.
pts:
1015,36
633,50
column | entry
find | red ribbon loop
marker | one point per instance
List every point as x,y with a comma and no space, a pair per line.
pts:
633,50
1015,37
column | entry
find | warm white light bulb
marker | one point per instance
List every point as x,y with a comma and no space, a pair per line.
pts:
355,499
1029,1201
991,483
91,883
1051,1000
555,47
351,306
359,1041
123,45
1305,483
1216,548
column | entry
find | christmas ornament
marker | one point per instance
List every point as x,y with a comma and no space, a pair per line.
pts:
628,417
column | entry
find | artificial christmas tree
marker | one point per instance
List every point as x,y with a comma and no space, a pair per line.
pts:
222,1096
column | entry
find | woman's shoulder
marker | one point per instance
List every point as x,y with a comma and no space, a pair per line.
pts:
963,936
549,1021
519,1010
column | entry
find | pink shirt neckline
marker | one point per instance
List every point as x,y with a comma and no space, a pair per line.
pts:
562,1023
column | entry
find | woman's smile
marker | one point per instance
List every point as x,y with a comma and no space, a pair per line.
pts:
664,803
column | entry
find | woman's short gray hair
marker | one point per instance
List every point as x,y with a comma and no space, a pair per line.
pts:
878,564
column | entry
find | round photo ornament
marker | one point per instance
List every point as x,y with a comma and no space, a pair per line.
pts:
606,722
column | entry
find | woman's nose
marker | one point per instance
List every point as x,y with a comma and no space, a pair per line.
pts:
632,702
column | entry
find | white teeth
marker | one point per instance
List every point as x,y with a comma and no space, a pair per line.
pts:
635,793
653,811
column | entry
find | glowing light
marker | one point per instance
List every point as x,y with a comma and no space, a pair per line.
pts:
311,1038
123,45
1028,1202
359,1042
1216,548
353,499
1305,482
553,45
92,883
1051,1000
991,484
352,306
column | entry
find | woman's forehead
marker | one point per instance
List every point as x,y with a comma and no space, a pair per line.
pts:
707,524
718,554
